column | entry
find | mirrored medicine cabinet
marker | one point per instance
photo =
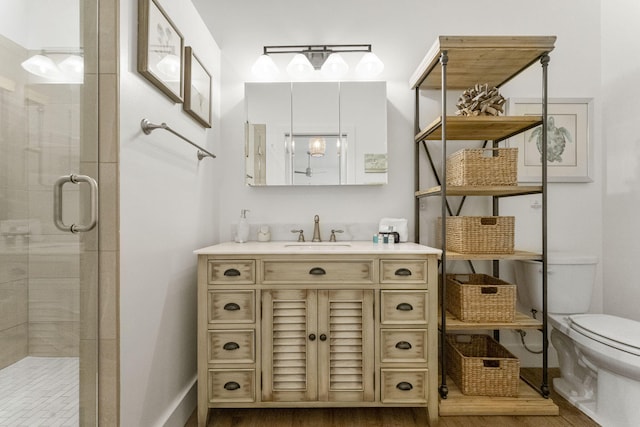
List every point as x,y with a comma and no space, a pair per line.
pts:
316,133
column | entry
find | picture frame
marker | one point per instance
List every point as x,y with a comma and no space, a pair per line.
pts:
197,89
160,49
569,151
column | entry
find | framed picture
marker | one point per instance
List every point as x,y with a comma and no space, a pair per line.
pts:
160,49
197,89
569,149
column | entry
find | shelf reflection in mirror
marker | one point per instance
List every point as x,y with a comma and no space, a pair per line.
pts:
316,133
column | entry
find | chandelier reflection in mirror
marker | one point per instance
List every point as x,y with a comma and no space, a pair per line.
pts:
323,162
327,59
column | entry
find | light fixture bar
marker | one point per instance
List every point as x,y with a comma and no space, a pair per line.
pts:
320,48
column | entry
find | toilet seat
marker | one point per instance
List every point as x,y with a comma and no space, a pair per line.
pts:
617,332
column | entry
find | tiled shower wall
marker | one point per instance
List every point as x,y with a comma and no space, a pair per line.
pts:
40,288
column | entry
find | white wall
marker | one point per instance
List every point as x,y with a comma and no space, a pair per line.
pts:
621,195
401,33
169,204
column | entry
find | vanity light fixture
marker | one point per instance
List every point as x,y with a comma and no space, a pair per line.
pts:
68,70
327,58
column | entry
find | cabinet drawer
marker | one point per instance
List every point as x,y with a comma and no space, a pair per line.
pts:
403,271
404,385
404,307
231,306
231,346
232,272
233,385
404,345
320,271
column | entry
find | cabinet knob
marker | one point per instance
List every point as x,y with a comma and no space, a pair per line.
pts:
323,337
232,272
404,386
232,385
403,345
403,272
232,346
404,306
231,306
312,337
317,271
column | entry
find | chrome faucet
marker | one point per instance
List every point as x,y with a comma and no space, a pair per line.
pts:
316,229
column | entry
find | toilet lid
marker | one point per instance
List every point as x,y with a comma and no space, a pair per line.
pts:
617,332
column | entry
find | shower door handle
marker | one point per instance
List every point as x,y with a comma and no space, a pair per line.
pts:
57,202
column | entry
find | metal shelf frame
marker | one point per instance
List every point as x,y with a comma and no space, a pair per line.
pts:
446,209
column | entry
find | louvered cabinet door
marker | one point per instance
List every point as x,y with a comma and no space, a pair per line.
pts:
345,347
289,345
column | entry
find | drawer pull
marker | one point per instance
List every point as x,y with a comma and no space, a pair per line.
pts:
403,345
231,386
403,272
231,306
323,337
317,271
404,386
312,337
232,346
232,272
404,306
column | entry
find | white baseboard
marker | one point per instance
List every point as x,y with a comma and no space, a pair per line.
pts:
179,411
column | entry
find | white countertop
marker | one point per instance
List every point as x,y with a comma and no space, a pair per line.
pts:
345,247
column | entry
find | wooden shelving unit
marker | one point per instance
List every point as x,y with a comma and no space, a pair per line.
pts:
460,62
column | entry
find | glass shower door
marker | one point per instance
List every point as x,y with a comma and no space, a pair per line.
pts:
48,202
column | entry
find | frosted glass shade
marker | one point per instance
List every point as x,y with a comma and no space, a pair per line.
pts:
264,67
369,66
317,147
41,66
300,67
334,67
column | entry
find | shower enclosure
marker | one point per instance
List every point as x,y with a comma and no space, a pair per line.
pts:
48,207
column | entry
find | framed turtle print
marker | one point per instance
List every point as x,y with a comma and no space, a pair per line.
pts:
569,148
197,89
160,49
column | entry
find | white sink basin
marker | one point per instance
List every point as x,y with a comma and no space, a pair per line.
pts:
317,245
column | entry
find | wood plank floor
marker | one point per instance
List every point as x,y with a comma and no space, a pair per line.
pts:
391,417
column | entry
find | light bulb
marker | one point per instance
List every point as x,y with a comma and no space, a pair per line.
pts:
370,65
300,66
334,67
264,67
41,66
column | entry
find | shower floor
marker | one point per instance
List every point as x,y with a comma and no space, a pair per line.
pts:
40,391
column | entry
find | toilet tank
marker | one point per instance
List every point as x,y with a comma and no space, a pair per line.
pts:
570,280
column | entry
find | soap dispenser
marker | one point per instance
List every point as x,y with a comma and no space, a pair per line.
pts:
242,232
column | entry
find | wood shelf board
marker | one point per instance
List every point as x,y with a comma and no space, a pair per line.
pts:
477,128
528,402
456,256
493,59
482,190
522,321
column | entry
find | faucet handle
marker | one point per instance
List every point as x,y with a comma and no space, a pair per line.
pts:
332,238
301,236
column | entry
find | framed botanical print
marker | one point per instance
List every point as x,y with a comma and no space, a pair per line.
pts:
197,89
160,49
568,140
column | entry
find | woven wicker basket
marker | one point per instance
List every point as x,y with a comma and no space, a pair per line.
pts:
483,166
479,234
480,298
480,366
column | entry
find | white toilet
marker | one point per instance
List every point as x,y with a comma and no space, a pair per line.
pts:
599,354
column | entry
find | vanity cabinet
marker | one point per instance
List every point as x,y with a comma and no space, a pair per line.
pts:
295,327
